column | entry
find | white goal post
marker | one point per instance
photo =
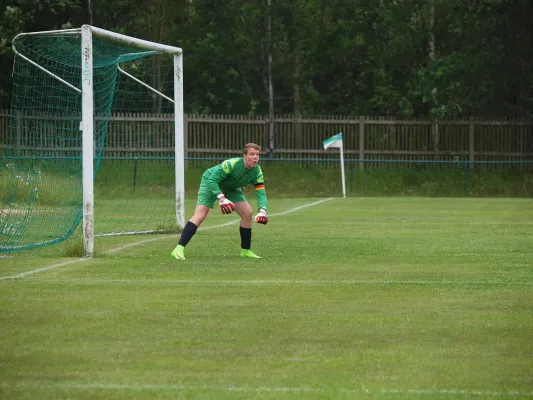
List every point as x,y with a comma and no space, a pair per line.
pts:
87,33
71,80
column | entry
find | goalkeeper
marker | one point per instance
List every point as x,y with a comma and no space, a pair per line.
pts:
223,183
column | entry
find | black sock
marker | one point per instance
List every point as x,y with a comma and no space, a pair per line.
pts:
188,232
246,238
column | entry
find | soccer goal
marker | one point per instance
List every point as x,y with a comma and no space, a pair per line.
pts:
95,140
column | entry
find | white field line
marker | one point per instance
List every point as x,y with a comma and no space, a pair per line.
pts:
281,282
34,271
451,392
118,249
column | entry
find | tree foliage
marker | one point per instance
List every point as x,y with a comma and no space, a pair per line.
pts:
437,58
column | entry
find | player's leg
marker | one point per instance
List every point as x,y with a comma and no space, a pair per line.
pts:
200,213
244,210
189,230
204,202
245,229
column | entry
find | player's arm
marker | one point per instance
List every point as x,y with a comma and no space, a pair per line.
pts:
260,194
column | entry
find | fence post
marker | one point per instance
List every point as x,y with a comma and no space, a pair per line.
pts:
298,131
436,136
392,134
135,173
361,141
186,139
466,167
271,136
471,143
351,176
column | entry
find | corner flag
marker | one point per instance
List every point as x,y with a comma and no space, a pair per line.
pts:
336,141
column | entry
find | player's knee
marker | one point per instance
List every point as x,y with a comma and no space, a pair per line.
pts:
246,213
199,215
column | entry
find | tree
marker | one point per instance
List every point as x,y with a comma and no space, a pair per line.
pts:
30,16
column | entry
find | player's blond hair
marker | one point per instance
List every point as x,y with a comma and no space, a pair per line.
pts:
249,146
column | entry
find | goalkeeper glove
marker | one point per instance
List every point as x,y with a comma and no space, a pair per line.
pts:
226,206
261,217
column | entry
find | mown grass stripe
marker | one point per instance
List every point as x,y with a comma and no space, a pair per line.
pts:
231,388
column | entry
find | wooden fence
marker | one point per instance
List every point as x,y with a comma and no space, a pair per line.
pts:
220,136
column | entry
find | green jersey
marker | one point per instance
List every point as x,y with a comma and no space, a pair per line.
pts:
231,175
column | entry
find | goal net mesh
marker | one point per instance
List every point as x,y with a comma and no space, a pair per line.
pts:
41,173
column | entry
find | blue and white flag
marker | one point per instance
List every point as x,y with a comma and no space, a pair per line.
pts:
334,141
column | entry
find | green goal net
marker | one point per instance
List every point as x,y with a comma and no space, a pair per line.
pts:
133,137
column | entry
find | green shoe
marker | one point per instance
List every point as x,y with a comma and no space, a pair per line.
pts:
178,253
248,254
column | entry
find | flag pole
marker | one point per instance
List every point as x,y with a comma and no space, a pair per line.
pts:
342,170
336,141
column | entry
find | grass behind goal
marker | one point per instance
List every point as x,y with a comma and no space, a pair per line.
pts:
373,298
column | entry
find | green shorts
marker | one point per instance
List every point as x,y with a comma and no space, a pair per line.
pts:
208,199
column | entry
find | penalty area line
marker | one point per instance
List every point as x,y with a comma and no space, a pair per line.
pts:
138,243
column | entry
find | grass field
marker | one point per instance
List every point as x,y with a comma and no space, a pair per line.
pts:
372,298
